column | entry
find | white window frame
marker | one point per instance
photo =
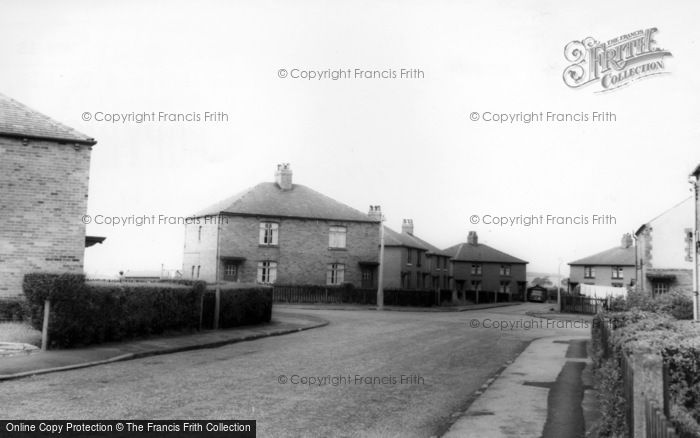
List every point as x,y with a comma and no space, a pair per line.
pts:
505,270
267,272
589,269
335,275
618,273
337,237
269,234
476,269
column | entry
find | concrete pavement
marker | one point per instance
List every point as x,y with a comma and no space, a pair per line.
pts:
539,395
43,362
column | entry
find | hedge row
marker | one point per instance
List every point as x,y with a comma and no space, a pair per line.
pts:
677,341
238,306
12,309
85,313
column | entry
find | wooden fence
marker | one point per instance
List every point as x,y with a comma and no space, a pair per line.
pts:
656,417
343,295
581,304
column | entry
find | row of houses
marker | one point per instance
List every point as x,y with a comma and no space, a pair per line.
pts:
287,233
657,257
274,232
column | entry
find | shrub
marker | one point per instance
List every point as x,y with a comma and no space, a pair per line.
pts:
245,306
12,309
676,303
678,342
94,312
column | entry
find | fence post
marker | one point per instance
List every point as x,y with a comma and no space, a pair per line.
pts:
45,327
647,384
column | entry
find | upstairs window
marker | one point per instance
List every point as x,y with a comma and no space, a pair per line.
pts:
267,272
419,258
336,274
505,270
336,237
588,272
409,256
269,232
476,269
617,272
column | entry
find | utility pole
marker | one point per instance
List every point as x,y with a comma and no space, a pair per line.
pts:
559,287
694,179
380,280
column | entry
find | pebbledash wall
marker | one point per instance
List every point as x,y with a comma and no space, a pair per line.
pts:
302,253
43,196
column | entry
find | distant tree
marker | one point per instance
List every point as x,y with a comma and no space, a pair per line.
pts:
542,282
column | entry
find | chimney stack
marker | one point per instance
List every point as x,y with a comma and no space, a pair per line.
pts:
375,212
626,240
407,227
473,239
283,176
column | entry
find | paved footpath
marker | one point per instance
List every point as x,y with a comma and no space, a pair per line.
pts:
42,362
541,394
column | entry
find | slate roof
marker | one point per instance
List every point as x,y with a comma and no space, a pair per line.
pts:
466,252
267,199
393,238
18,120
617,256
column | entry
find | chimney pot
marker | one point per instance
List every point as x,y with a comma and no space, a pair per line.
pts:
283,176
626,240
407,227
472,238
375,212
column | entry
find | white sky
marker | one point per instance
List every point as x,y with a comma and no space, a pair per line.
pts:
405,144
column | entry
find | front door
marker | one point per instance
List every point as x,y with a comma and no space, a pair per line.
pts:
231,271
367,278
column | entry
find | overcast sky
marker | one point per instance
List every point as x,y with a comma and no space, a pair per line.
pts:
406,144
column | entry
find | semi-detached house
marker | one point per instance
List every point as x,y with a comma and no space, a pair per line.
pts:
285,233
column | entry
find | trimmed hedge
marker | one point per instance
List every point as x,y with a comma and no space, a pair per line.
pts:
12,309
678,342
238,306
92,312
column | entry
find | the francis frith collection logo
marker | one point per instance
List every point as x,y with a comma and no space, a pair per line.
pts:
616,62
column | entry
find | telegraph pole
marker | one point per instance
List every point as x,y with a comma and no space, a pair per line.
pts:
694,179
380,280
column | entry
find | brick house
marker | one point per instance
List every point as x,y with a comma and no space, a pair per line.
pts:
475,268
283,233
44,171
413,263
664,256
612,267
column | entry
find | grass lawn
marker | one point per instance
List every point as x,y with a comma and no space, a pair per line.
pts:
19,332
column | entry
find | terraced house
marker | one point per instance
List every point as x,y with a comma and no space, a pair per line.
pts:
286,233
44,170
413,263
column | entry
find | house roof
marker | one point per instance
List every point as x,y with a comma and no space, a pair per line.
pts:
267,199
394,238
466,252
18,120
617,256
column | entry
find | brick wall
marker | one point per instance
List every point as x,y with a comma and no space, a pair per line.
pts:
302,255
44,190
